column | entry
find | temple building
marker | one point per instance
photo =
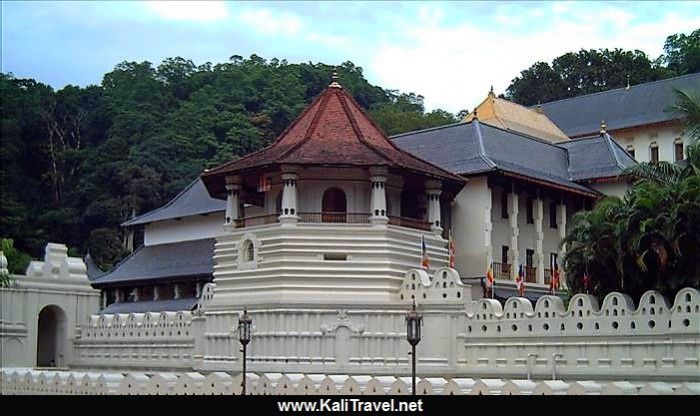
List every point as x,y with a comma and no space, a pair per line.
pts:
311,251
333,196
639,117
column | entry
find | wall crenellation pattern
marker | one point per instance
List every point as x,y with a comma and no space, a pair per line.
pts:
23,381
616,316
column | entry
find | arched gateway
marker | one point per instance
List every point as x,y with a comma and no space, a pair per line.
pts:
50,337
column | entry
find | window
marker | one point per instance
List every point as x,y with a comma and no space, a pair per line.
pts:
530,216
553,215
248,251
529,254
630,150
504,254
111,296
678,150
334,206
553,259
654,152
504,204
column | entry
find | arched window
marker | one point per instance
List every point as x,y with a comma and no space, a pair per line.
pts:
334,205
248,251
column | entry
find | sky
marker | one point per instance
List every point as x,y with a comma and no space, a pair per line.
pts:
449,52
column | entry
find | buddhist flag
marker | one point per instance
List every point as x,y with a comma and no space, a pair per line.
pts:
425,262
489,279
554,283
452,249
520,281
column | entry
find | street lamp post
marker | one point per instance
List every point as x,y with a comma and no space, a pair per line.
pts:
244,325
413,324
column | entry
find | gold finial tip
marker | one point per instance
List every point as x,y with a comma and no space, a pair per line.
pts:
334,79
491,91
603,127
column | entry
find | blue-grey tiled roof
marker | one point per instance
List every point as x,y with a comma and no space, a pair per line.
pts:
171,305
620,108
473,148
92,270
193,200
163,261
596,157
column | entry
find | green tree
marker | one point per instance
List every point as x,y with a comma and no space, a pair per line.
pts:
682,53
17,261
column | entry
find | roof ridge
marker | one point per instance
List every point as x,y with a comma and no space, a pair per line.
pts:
358,132
400,150
322,100
479,138
624,88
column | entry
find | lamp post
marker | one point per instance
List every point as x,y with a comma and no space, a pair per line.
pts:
244,325
413,324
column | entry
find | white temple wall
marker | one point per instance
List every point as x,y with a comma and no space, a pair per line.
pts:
641,139
58,291
195,227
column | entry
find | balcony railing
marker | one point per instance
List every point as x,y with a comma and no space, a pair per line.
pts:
257,220
332,217
335,217
410,223
501,270
530,274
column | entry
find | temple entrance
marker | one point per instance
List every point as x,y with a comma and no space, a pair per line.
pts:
50,337
334,206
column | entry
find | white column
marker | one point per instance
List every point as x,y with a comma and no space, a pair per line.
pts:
539,218
198,289
176,291
118,298
378,214
514,232
104,298
433,191
137,294
561,224
156,295
233,187
290,209
488,228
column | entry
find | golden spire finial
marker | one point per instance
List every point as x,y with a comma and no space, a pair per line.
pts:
491,92
334,80
475,117
602,128
628,82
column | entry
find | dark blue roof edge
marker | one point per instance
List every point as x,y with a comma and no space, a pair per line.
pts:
694,74
135,220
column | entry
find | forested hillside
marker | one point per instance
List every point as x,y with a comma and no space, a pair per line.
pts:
79,161
594,70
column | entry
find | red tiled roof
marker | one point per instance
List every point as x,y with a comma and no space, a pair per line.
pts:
333,130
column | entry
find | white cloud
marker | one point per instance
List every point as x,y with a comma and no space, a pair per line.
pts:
200,11
454,66
268,23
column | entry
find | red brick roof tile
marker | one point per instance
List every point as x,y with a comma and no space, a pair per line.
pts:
333,130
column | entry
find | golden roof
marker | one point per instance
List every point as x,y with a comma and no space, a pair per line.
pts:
515,117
